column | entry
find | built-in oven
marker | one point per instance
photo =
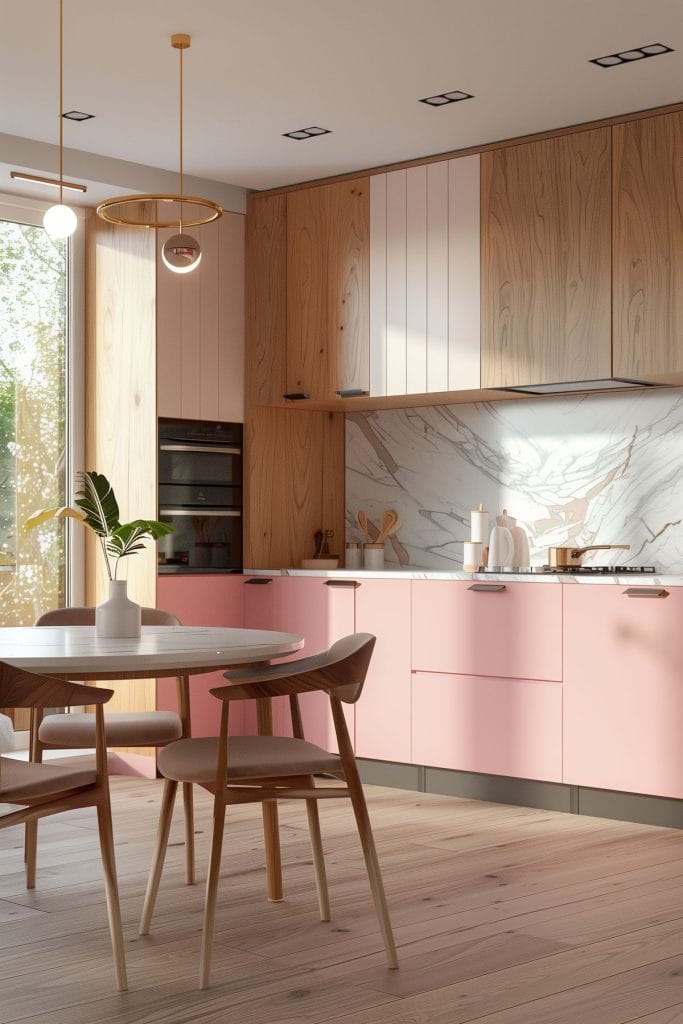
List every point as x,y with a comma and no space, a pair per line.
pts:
200,496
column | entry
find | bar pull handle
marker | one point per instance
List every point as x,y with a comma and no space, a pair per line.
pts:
645,592
351,393
342,583
258,581
488,587
296,396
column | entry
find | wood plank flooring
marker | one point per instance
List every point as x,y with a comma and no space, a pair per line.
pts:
502,915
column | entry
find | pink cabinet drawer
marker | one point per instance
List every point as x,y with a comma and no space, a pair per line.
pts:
623,690
515,632
499,726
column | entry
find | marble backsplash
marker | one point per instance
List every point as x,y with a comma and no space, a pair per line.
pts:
590,469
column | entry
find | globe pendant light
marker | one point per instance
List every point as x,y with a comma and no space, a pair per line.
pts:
60,220
181,252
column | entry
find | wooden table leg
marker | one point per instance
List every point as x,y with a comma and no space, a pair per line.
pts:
271,830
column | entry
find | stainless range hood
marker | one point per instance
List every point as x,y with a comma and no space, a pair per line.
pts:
567,387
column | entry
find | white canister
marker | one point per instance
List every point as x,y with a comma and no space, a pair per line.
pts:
373,556
501,548
479,525
472,556
353,559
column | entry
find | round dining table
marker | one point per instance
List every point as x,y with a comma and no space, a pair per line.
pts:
78,654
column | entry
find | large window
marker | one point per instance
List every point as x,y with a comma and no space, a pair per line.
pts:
35,322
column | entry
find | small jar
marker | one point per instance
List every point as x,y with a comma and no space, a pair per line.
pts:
354,556
373,556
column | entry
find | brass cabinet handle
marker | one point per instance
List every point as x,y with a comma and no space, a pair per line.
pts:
258,581
489,587
342,583
645,592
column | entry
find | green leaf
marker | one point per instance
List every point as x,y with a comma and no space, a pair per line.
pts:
98,504
43,514
127,537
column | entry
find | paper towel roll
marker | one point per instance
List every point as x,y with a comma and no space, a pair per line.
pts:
472,556
479,525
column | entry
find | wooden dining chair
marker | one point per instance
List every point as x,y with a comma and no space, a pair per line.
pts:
43,789
122,728
246,769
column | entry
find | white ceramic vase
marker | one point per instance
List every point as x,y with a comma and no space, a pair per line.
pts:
118,617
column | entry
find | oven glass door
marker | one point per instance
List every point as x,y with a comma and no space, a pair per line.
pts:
203,539
197,464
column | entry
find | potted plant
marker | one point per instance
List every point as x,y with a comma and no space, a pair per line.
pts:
97,508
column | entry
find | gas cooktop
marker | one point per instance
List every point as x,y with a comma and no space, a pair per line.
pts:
582,570
597,570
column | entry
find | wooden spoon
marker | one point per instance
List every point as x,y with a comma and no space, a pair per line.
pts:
388,521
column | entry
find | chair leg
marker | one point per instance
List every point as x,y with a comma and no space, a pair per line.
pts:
31,852
165,815
188,804
112,891
360,811
318,855
212,891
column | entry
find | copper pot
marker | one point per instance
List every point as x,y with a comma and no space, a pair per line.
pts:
562,558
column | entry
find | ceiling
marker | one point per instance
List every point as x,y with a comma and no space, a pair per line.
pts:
259,68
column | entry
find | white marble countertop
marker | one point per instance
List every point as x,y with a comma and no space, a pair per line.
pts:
415,573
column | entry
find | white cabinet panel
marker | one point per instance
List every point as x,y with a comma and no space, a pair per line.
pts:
424,278
396,283
464,273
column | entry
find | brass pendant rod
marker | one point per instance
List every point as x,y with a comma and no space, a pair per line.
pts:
181,139
61,101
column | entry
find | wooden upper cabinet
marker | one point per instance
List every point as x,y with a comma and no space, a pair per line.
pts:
546,253
200,327
648,248
266,299
327,289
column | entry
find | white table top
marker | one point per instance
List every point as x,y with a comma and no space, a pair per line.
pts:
75,652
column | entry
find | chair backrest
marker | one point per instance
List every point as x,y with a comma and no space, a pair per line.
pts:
345,665
86,617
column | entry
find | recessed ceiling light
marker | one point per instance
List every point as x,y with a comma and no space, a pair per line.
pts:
454,96
306,133
77,115
613,60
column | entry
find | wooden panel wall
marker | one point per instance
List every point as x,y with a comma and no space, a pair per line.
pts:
308,339
546,238
120,413
648,248
348,269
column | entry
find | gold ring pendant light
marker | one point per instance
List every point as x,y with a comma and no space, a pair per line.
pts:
181,253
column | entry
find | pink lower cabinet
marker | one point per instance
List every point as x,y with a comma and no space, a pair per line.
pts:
488,629
623,688
480,724
487,693
321,611
210,600
383,711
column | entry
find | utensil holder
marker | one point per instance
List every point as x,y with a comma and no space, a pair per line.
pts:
373,556
353,558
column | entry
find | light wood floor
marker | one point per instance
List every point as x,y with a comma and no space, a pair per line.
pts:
502,915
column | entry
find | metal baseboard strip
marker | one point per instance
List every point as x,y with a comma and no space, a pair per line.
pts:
549,796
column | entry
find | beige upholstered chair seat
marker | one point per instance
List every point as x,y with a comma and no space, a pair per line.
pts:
249,757
122,729
19,779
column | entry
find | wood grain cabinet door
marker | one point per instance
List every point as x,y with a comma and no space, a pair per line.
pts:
327,289
648,248
546,279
